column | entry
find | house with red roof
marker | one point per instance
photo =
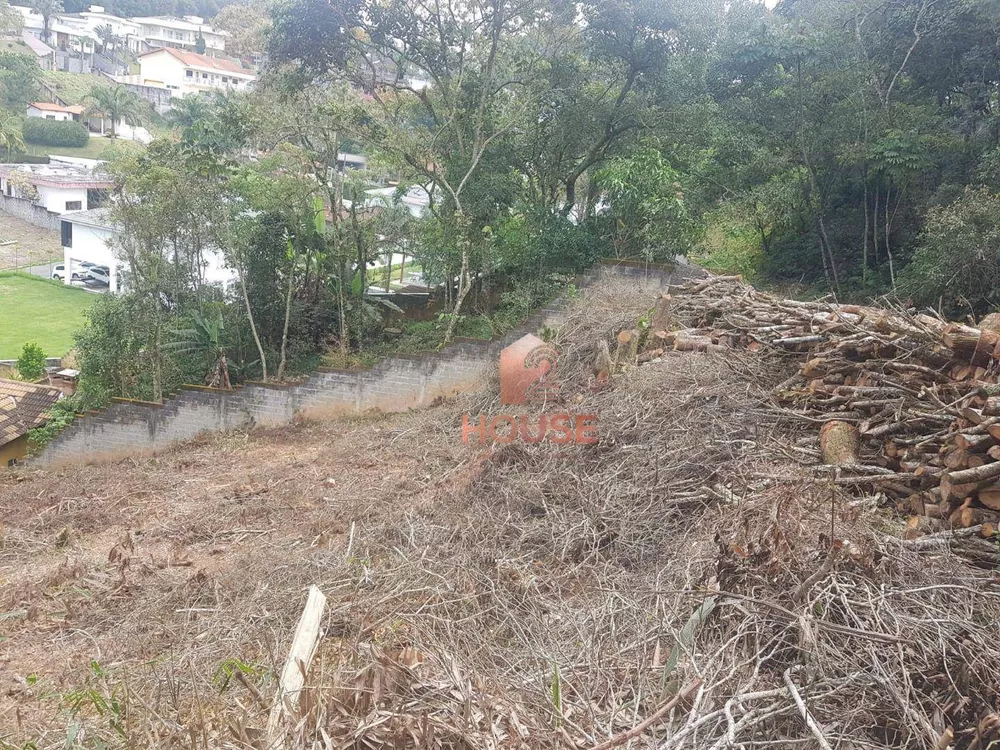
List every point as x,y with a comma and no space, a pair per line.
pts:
186,72
52,111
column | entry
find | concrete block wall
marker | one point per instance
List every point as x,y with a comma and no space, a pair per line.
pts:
397,383
30,212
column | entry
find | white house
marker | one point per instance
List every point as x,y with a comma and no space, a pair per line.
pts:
189,73
128,31
90,237
59,186
64,34
416,199
165,31
57,112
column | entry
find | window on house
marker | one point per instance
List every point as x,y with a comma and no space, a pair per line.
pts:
67,234
225,80
189,73
204,75
50,117
74,205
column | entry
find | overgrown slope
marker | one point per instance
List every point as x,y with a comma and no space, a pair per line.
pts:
520,596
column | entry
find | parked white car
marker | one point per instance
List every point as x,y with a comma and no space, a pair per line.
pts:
100,274
79,272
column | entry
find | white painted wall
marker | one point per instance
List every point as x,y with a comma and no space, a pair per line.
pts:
163,69
45,115
91,244
55,198
96,245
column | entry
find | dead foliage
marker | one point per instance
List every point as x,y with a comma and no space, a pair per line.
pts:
689,582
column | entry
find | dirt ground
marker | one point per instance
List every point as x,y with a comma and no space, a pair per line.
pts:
33,245
516,596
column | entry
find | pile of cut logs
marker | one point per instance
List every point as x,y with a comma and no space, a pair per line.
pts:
904,402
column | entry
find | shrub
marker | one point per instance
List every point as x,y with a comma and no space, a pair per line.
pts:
31,363
50,133
58,417
957,260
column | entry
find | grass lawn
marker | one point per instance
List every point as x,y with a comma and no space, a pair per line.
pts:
36,309
96,148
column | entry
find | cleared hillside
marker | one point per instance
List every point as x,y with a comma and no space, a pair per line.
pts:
520,596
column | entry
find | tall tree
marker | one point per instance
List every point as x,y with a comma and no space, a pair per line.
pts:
47,9
117,104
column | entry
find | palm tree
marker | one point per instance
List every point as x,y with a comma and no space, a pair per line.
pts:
46,9
117,104
186,111
106,35
205,338
11,140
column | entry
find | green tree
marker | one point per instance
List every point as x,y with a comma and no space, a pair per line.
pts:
187,110
199,44
11,140
117,104
205,338
47,9
956,265
19,77
31,362
11,21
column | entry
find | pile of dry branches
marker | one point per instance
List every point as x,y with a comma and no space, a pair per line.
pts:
917,395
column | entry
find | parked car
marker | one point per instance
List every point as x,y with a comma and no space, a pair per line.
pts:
100,274
59,273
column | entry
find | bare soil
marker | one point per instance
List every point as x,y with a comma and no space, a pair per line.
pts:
514,596
33,245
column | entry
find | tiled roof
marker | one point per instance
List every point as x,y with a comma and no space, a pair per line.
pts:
49,107
195,60
22,407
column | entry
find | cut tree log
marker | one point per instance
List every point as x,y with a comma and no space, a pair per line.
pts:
990,497
300,656
602,362
839,443
625,349
660,320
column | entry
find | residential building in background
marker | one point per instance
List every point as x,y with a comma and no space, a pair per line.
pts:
45,56
89,237
57,112
39,193
23,406
185,72
183,33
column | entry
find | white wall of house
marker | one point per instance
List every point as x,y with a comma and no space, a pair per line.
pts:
176,32
93,244
46,115
60,199
163,69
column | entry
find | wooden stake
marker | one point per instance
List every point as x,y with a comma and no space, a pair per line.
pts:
300,656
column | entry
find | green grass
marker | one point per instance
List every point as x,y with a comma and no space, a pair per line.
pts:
72,88
96,148
16,47
39,310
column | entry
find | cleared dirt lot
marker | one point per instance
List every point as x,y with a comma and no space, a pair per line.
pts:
520,596
32,245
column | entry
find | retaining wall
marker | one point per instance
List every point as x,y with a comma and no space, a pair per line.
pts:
31,213
397,383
